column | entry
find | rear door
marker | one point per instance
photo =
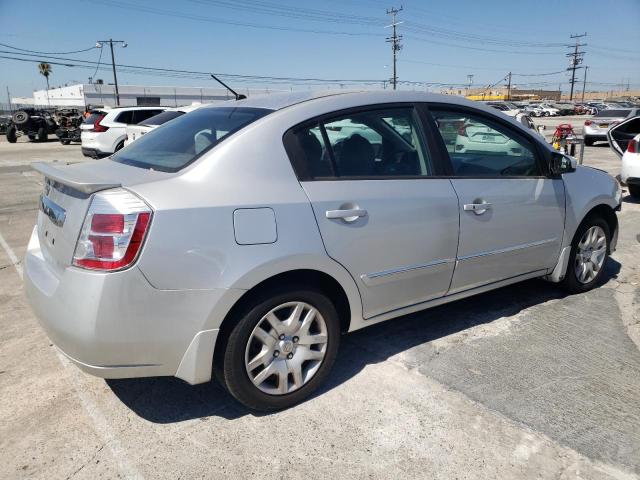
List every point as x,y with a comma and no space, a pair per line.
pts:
511,214
381,212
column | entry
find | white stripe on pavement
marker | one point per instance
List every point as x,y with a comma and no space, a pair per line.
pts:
100,423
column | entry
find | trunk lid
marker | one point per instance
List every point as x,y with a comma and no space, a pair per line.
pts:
68,190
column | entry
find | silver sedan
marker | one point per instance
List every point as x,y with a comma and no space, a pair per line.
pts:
241,240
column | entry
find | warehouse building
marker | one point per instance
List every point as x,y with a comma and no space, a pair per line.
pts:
95,94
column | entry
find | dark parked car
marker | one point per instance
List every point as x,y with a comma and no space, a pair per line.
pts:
36,124
69,121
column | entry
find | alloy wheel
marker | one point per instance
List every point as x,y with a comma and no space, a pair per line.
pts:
590,255
286,348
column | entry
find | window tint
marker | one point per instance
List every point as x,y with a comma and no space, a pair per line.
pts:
631,127
478,147
613,113
376,143
142,115
161,118
125,117
171,147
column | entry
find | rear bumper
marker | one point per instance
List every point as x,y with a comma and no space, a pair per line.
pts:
94,153
117,325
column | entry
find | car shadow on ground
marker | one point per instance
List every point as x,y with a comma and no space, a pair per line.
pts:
629,199
168,400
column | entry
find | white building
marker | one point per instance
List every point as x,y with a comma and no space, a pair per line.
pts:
94,94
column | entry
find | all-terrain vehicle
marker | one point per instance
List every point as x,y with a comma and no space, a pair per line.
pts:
36,124
69,121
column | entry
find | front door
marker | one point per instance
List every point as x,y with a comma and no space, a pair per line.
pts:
511,214
381,213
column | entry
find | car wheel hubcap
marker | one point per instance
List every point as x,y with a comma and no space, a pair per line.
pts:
592,250
286,348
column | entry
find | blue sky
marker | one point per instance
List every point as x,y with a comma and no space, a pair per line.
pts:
334,39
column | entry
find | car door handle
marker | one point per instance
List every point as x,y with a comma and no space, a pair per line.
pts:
348,215
477,208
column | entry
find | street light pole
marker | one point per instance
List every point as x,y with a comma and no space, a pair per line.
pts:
123,44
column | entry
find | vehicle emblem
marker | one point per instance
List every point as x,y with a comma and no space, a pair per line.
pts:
55,212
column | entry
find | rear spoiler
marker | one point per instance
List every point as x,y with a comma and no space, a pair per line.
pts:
77,180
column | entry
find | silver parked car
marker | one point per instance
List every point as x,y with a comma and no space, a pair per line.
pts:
240,241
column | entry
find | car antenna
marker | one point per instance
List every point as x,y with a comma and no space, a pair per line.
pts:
238,96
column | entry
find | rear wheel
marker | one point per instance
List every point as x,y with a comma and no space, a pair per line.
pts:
281,349
65,142
634,190
120,146
589,252
12,137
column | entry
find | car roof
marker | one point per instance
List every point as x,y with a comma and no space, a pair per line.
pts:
278,101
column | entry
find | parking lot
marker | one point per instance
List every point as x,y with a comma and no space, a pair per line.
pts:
522,382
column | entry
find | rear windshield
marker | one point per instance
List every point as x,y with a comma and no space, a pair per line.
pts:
161,118
178,143
613,113
93,117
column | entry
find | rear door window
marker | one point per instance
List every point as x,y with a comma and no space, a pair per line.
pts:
161,118
142,115
370,144
125,117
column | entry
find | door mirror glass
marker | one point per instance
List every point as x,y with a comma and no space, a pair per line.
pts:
560,164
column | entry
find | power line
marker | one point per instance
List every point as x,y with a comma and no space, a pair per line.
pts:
47,53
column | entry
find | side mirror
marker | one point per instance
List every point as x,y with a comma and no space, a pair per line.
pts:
561,163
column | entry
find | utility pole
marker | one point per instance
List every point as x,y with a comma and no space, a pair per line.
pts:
9,99
509,87
576,58
395,41
584,82
123,44
470,80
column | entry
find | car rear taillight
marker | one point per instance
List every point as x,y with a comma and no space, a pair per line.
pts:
632,147
588,122
113,231
98,127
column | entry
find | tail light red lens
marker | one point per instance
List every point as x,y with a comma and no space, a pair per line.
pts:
113,231
632,147
98,127
588,122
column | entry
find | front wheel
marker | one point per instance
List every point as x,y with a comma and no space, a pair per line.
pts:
42,134
12,136
281,349
589,252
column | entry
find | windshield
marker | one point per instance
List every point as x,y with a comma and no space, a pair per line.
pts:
613,113
178,143
161,118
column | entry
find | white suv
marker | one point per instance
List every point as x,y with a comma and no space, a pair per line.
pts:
104,131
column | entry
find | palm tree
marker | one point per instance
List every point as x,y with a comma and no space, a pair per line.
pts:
45,70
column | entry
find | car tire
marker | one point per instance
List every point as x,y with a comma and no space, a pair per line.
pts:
584,245
546,114
244,341
65,142
120,146
42,134
634,190
12,137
